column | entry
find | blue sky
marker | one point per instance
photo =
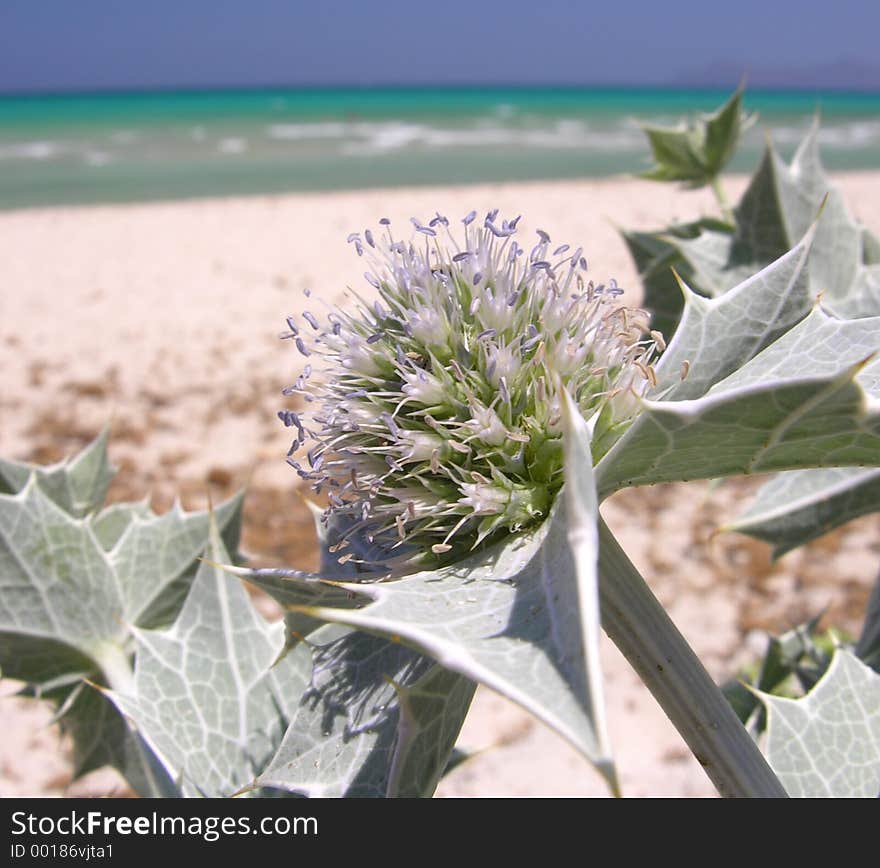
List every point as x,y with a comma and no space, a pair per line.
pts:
94,44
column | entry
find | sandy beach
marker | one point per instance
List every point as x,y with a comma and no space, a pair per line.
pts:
162,321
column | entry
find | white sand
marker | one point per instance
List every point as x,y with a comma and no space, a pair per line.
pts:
163,320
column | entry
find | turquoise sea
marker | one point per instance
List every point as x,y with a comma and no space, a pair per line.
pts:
115,147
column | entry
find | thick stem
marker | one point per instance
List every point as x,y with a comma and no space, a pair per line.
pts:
721,198
641,629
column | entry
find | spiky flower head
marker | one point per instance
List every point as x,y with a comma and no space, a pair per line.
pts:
435,424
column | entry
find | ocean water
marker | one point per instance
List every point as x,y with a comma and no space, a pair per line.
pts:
140,146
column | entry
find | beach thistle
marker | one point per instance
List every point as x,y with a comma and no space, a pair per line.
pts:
433,419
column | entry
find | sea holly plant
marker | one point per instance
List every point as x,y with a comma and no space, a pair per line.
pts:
467,423
463,423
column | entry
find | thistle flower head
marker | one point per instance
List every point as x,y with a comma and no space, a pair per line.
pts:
435,424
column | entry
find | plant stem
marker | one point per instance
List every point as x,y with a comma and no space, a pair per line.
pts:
721,198
115,665
641,629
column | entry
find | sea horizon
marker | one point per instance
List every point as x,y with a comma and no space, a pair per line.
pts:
153,144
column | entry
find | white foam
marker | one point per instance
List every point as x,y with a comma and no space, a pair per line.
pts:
297,132
30,151
560,134
232,146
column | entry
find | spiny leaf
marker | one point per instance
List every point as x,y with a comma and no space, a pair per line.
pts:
696,152
204,697
516,618
377,719
718,336
154,557
297,591
431,714
827,744
76,580
110,523
78,485
796,507
809,400
58,585
61,586
415,707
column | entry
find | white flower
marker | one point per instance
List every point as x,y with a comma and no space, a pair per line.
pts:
437,425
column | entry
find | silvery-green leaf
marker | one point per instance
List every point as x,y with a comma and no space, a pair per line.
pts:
78,485
59,586
431,714
204,697
827,744
64,591
518,617
155,555
418,707
863,298
110,523
801,505
377,719
406,749
718,336
809,400
66,613
819,346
